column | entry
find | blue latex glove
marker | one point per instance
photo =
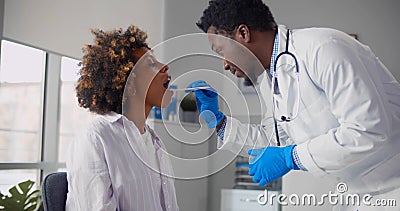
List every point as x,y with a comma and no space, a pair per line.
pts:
207,104
271,163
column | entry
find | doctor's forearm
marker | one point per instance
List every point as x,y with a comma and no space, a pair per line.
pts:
240,137
327,153
221,129
219,126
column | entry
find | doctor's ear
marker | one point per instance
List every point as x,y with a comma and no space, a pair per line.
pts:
243,33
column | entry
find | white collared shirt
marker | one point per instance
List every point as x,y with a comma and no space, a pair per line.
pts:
108,168
149,144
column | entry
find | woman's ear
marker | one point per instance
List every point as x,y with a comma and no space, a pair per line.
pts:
243,33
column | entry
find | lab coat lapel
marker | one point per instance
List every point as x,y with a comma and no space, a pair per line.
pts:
285,67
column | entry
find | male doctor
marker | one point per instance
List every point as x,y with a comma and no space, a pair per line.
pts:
337,111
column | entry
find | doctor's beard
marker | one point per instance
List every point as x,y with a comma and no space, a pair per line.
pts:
250,80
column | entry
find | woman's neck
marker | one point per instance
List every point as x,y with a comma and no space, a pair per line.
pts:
138,114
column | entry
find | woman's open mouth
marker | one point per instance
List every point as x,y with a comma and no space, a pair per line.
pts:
166,82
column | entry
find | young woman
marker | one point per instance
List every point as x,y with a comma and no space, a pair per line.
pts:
118,162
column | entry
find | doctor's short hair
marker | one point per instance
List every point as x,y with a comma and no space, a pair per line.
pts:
227,15
105,68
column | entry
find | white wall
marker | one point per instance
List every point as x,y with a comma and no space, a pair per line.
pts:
1,18
181,16
63,26
375,22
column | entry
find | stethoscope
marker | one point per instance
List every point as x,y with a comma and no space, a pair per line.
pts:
274,85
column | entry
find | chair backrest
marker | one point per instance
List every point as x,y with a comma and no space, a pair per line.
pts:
54,191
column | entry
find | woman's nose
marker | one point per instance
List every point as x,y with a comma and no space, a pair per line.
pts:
164,68
226,65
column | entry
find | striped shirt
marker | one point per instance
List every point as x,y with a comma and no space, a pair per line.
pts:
109,168
275,50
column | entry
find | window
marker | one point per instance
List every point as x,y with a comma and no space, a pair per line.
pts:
72,117
10,178
39,113
21,100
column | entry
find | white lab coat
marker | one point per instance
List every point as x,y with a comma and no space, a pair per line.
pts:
348,127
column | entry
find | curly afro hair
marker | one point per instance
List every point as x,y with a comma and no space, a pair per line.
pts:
227,15
105,68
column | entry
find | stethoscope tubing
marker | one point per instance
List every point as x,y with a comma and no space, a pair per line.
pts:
274,81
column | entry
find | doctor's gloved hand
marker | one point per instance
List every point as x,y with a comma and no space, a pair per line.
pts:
207,103
271,163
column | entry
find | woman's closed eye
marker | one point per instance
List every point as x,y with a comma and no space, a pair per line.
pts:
151,63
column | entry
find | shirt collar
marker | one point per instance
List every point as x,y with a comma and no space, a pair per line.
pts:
260,78
112,116
274,53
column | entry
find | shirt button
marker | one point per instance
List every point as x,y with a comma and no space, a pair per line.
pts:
169,206
164,183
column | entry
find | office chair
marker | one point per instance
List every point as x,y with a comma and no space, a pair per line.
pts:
54,191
